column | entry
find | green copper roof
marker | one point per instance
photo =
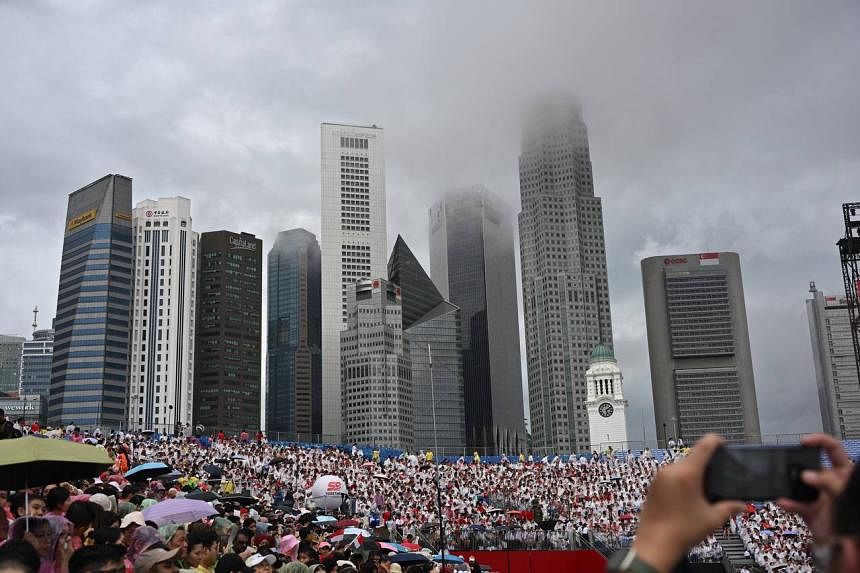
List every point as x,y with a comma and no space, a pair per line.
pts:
602,354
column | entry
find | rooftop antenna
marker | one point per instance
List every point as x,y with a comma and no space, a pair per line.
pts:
35,316
812,286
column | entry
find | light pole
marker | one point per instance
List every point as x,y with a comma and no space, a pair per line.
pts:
436,459
170,420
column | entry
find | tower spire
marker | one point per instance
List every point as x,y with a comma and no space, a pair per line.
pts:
35,317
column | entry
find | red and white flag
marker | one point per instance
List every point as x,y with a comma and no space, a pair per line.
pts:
709,258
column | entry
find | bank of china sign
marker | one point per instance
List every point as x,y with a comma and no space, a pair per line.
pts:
240,243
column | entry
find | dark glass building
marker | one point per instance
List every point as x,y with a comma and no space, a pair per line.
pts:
89,373
472,264
36,363
294,385
431,326
228,332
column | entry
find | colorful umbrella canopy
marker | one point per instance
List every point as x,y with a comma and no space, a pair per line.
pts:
409,558
393,547
325,519
146,471
181,510
347,523
202,495
448,558
30,462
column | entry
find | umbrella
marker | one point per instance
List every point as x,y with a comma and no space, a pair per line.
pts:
276,461
240,499
202,496
393,547
347,523
449,558
514,512
381,476
214,471
477,527
148,470
325,520
173,475
356,531
238,457
221,460
178,511
495,510
409,559
626,517
790,533
30,462
368,465
767,532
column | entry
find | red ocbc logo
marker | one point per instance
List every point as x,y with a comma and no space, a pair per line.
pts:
334,486
675,261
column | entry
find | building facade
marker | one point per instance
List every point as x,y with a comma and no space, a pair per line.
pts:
377,379
432,328
11,348
162,333
472,264
835,367
564,280
353,240
90,365
30,407
605,403
698,344
294,365
228,335
36,357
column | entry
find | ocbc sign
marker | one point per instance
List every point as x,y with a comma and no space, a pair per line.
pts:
675,261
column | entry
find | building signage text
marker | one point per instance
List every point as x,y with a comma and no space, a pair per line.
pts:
240,243
675,261
81,219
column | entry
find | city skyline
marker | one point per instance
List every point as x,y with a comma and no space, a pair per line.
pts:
684,163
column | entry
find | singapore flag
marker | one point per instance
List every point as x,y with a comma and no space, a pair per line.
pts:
709,258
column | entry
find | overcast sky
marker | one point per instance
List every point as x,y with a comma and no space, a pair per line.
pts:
713,126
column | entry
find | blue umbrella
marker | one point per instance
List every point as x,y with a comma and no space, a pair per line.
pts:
147,470
449,558
325,519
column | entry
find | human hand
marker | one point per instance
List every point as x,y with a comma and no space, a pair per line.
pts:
818,514
676,515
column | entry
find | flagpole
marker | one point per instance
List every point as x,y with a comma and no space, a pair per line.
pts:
436,459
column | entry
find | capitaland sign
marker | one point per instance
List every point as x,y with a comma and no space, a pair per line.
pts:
81,219
675,261
157,213
240,243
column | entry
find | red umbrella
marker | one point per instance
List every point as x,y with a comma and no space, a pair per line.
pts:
626,517
346,523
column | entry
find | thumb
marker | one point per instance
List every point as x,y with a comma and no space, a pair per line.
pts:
726,509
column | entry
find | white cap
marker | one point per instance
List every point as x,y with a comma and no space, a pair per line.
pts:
135,517
256,559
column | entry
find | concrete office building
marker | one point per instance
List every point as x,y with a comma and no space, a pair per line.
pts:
472,265
228,330
36,357
835,367
377,379
698,344
89,378
433,330
564,279
162,335
353,240
294,383
10,362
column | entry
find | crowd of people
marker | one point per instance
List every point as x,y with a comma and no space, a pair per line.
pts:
268,519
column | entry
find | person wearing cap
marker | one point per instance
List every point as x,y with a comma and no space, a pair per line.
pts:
157,560
260,563
129,523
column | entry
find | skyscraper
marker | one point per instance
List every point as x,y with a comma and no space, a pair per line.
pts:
36,359
10,362
432,328
564,280
354,242
89,379
377,378
228,332
698,344
472,265
835,367
294,386
162,333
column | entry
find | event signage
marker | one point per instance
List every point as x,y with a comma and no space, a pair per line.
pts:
81,219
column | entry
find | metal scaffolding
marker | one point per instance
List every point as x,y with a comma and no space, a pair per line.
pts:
849,254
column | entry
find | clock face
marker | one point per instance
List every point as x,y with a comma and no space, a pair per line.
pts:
605,409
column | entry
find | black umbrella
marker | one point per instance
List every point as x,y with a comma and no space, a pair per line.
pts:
409,558
240,499
214,471
222,460
202,495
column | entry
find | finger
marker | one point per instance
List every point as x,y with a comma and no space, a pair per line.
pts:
703,451
725,509
827,482
837,454
794,506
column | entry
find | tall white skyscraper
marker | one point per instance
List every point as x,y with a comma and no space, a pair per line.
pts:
353,240
835,368
162,331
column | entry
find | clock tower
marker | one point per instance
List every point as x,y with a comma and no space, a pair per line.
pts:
605,403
